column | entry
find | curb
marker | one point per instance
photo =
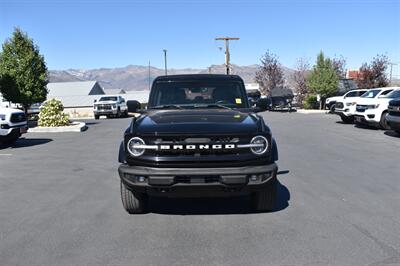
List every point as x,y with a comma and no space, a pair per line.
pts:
304,111
74,127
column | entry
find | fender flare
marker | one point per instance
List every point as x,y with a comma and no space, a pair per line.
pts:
121,154
274,150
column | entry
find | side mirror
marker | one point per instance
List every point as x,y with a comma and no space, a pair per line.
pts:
133,106
263,104
95,101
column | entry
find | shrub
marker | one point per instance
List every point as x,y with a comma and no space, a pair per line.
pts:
51,114
311,102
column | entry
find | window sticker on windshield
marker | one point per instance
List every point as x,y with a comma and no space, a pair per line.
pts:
238,101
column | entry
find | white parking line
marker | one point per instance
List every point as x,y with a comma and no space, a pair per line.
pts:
5,154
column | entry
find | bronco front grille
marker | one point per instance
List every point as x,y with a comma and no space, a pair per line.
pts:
209,140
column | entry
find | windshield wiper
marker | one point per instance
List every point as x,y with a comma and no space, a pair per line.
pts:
166,106
212,105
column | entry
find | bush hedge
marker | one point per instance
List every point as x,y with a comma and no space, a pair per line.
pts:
311,102
51,114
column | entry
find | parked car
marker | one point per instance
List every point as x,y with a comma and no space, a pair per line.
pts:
330,103
253,96
13,124
199,137
345,107
393,117
344,86
110,106
374,110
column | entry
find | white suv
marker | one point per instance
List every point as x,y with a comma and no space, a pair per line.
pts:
372,107
110,106
13,123
345,107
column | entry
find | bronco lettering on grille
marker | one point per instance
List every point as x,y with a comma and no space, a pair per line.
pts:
197,147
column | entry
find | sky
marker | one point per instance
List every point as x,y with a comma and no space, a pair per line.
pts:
105,34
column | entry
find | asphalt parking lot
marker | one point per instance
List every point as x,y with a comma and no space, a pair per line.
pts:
339,203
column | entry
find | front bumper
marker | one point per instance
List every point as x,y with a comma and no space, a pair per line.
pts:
197,182
369,117
393,121
12,130
105,112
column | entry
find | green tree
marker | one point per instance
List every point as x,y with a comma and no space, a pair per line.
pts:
23,71
323,79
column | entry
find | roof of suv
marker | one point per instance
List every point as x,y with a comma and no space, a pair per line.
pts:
197,77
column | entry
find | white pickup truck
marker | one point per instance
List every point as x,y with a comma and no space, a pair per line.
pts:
345,106
13,124
110,106
373,110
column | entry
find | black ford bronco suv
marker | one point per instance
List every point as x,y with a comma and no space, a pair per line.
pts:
198,137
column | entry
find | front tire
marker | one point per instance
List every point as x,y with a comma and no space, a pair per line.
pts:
133,202
383,123
265,200
96,117
332,108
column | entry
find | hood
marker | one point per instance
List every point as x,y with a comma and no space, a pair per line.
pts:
334,98
368,101
106,102
6,111
351,100
202,121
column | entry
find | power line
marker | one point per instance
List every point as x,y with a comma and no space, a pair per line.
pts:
227,53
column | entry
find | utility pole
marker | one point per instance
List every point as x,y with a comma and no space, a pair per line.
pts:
165,61
149,77
391,71
227,54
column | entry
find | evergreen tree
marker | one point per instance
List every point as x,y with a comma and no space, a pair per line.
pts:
323,79
23,71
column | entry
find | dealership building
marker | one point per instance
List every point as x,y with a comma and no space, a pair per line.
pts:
78,97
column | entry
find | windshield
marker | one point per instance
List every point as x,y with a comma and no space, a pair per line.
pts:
370,94
108,98
392,95
199,93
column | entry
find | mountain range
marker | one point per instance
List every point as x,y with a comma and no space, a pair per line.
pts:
135,77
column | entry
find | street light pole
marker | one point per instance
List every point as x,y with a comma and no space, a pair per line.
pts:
165,61
227,53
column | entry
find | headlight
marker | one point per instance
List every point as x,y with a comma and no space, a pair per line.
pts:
351,104
114,106
259,145
134,146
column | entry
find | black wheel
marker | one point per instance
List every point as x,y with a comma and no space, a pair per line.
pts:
347,119
126,113
133,202
96,117
383,123
332,108
108,116
119,113
265,200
